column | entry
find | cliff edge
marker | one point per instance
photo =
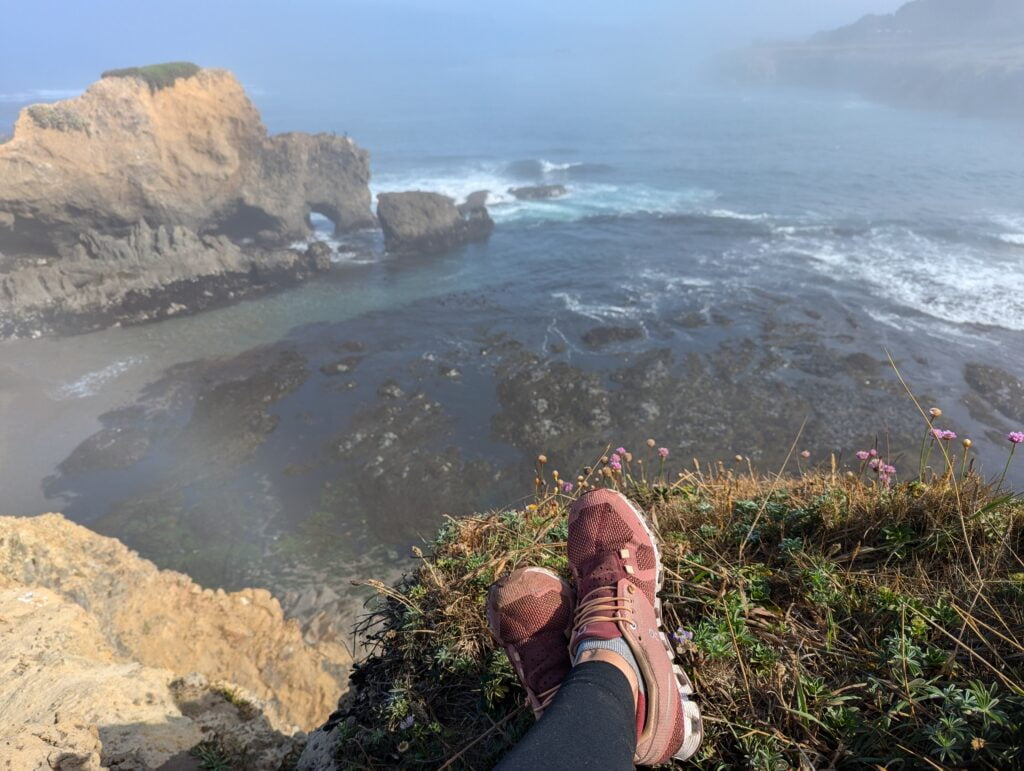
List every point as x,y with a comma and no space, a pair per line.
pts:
111,660
142,198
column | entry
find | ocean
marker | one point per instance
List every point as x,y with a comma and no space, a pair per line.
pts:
728,273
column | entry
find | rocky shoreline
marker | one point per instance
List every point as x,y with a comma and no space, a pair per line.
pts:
135,202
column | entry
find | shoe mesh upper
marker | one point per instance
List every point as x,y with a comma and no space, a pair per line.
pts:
536,626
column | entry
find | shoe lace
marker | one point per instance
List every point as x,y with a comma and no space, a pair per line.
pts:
592,609
544,698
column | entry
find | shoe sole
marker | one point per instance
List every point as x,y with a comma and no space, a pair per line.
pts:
691,712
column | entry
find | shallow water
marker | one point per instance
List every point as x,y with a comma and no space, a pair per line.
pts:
742,253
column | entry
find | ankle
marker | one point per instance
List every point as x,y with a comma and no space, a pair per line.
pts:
617,661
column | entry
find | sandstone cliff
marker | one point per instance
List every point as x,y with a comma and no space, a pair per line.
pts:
113,205
108,658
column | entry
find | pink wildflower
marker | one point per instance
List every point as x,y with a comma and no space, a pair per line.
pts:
615,458
620,451
615,465
567,487
805,454
873,453
874,463
947,435
888,470
663,452
1017,437
863,455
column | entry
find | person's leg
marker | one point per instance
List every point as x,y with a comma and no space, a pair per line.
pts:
590,724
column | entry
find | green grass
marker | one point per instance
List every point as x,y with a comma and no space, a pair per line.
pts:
157,76
827,619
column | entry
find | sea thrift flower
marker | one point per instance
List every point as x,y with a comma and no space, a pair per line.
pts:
567,487
874,463
888,470
1017,437
863,455
620,451
616,465
938,433
873,453
616,458
663,452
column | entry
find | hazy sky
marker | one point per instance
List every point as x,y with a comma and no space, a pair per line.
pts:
362,47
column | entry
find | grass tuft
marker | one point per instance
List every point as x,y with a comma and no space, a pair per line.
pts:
827,620
156,76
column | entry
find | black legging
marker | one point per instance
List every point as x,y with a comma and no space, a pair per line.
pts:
591,723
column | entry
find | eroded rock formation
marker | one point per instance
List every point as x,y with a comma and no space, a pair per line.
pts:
149,619
430,222
116,205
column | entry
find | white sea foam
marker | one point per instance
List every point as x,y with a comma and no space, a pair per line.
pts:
547,167
596,311
952,282
582,200
729,214
40,95
90,383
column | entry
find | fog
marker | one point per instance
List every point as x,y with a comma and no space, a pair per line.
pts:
418,50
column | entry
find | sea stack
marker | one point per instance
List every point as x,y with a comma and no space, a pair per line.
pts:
420,222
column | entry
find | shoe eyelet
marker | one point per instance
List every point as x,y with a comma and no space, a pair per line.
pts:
630,588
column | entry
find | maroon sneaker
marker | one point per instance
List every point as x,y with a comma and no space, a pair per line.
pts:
530,616
617,565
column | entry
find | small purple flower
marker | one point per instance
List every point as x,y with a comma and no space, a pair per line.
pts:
937,433
888,470
616,465
663,452
874,463
407,723
863,455
1017,437
681,635
873,453
948,435
567,487
621,451
616,458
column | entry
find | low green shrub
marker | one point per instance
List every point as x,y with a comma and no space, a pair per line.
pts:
157,76
57,117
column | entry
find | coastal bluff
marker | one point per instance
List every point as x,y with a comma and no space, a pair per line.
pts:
111,662
950,55
145,197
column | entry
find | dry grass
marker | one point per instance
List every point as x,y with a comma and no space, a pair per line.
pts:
827,621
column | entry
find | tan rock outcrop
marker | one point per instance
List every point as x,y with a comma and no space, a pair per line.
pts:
164,620
113,203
